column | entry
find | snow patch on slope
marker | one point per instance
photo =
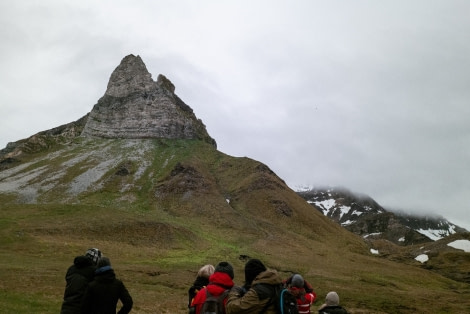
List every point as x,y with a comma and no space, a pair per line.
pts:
460,245
437,234
344,210
325,205
422,258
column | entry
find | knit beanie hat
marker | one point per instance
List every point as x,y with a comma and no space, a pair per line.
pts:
297,281
332,299
252,268
224,267
94,255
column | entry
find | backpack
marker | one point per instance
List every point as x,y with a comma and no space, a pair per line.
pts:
214,304
287,302
284,301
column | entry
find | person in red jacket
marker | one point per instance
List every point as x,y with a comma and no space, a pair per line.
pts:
307,286
304,299
219,282
202,279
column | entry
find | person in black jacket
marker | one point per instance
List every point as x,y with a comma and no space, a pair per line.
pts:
77,278
105,291
331,305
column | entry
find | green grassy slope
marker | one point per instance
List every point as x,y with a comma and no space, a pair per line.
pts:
160,209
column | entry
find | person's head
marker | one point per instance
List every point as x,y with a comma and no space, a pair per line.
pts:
332,299
297,281
94,255
224,267
206,271
252,269
104,261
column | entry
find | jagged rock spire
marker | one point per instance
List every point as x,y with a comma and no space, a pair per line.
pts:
130,76
135,106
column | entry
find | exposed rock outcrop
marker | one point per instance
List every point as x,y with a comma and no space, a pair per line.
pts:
41,141
135,106
364,216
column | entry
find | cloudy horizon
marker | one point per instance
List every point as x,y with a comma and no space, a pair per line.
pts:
369,96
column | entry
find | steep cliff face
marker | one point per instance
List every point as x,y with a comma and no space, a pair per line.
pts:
135,106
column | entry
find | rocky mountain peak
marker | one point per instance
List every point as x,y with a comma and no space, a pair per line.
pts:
130,76
135,106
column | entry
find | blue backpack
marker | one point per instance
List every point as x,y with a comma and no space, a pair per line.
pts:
287,303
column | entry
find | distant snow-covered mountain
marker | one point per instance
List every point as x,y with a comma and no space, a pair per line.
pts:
364,216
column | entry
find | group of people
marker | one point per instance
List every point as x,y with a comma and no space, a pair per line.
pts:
92,287
256,295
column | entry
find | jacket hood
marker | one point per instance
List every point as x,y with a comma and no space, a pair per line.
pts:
105,274
82,261
103,269
269,276
219,282
82,266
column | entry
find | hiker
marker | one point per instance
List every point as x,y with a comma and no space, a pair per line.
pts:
256,295
202,279
220,282
331,305
307,286
104,292
304,299
77,278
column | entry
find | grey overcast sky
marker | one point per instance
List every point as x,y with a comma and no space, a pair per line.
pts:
369,95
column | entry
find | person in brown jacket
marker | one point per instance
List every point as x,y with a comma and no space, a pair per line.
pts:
256,296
